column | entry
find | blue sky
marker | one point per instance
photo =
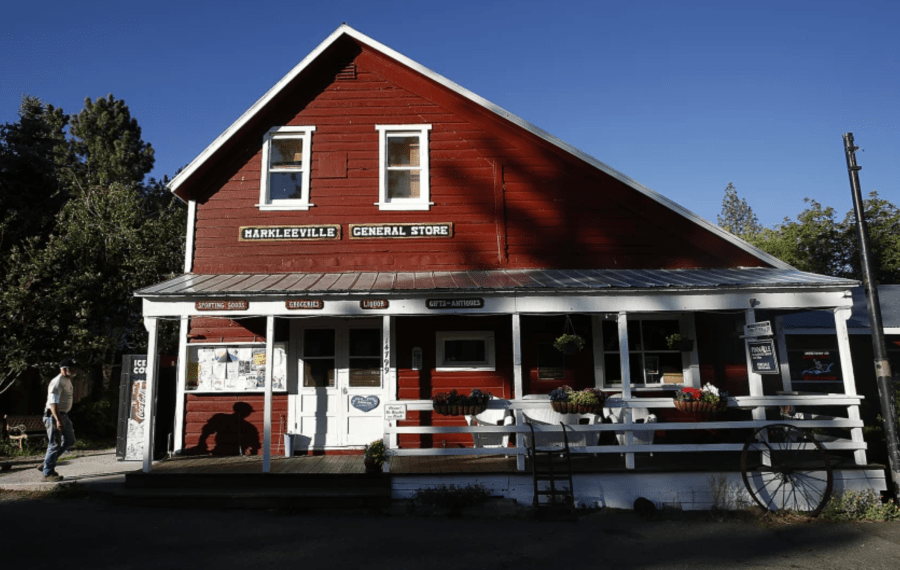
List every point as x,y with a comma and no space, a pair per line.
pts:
683,97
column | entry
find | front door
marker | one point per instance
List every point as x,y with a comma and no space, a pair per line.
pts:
340,395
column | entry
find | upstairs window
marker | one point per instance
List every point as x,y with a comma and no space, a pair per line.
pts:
285,169
403,159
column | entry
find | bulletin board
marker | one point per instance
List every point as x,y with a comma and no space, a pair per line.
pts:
234,368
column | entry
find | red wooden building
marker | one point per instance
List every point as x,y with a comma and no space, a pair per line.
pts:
370,233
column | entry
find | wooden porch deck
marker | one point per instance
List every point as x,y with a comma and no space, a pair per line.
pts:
445,464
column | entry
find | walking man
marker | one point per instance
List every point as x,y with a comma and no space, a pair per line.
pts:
60,433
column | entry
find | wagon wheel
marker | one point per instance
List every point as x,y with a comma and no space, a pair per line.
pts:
786,469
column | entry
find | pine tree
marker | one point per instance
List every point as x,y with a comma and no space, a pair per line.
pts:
737,216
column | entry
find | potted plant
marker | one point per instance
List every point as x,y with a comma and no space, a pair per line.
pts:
566,400
708,400
374,456
569,343
678,342
453,403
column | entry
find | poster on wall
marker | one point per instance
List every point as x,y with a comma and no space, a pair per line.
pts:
234,368
815,365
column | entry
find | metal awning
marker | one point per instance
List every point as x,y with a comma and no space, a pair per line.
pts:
500,281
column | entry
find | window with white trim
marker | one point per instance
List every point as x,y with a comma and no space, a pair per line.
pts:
471,350
652,360
403,167
285,169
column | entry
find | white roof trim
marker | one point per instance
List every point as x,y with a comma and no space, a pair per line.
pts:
345,29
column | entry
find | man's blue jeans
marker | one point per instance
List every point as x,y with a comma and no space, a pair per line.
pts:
57,442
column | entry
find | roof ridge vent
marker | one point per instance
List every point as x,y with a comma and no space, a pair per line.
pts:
348,73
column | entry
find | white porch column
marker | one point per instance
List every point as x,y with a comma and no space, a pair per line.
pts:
783,363
624,357
841,314
181,371
389,372
518,385
267,407
755,380
150,390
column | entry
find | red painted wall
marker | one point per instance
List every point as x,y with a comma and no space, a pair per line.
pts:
515,200
232,424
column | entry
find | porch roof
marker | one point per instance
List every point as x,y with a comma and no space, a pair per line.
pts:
571,281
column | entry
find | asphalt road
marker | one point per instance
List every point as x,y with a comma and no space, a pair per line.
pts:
96,534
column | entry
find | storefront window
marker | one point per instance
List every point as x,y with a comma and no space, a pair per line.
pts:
365,357
814,359
651,360
318,358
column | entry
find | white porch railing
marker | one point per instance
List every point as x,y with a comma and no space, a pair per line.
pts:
520,408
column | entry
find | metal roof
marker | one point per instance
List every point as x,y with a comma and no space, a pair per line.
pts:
486,281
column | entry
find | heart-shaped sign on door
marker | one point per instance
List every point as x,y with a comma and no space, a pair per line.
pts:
364,403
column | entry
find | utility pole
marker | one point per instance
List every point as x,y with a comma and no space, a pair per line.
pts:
882,365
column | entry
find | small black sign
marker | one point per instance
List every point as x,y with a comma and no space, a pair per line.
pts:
454,303
763,359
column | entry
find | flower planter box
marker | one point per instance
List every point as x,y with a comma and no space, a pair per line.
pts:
703,407
572,408
457,410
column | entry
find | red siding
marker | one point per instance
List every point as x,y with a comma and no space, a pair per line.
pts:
515,200
232,424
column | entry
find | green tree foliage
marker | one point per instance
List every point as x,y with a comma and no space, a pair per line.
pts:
819,242
31,153
72,292
737,216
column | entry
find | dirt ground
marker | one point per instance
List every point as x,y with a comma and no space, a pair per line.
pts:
96,533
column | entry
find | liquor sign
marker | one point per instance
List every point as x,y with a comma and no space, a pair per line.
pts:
763,328
763,359
304,304
374,304
454,304
289,233
400,231
235,305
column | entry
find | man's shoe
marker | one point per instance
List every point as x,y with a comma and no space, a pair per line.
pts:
53,477
40,467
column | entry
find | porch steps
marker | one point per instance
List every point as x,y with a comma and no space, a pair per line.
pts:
259,490
551,468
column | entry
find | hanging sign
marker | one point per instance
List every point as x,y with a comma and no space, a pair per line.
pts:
364,403
374,304
289,233
399,231
304,304
234,305
454,304
763,328
763,359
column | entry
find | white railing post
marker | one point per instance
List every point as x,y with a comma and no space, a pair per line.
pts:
841,315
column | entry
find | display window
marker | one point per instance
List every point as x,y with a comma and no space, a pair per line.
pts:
234,368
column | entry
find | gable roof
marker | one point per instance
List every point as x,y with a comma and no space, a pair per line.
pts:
344,30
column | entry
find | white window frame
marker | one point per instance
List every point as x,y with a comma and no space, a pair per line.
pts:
487,337
422,203
304,133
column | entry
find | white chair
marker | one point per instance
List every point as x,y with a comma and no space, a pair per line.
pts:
491,417
548,417
638,416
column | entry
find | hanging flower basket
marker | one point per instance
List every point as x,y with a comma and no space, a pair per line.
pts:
453,403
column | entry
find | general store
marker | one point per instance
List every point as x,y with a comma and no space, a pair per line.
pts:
370,234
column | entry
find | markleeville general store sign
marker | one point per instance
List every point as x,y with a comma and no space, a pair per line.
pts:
357,231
